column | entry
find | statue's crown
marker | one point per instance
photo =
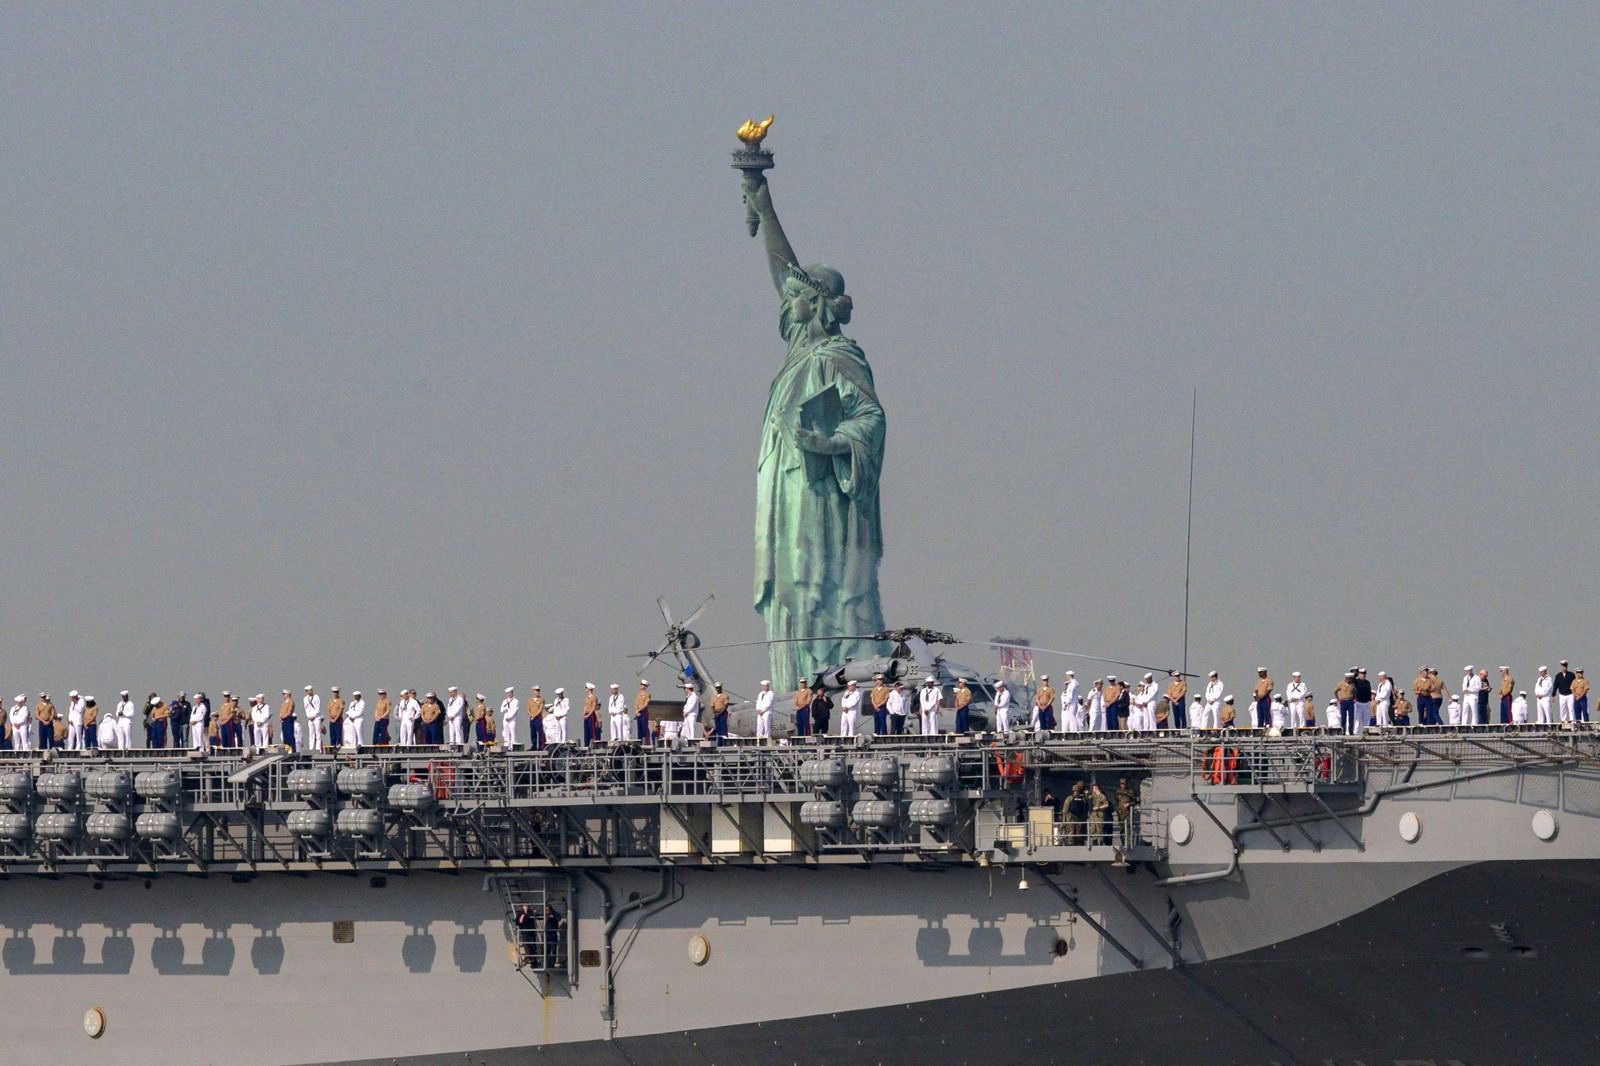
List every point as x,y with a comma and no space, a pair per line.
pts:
797,274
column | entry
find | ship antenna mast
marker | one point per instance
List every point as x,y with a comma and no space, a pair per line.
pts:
1188,533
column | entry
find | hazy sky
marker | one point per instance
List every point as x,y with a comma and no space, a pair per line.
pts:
398,344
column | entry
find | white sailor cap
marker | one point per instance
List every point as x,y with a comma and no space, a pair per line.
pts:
717,684
1543,669
1469,666
1563,662
262,695
1212,674
875,677
1148,676
1333,703
1109,677
536,688
1349,673
510,690
1261,669
1505,668
332,688
1524,692
285,692
1044,677
1227,699
852,683
1383,673
44,695
480,697
452,688
930,679
1295,674
124,692
308,688
383,692
357,692
769,682
19,698
687,687
559,690
613,686
73,694
588,684
1069,673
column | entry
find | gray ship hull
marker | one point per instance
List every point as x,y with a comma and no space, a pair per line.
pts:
1373,901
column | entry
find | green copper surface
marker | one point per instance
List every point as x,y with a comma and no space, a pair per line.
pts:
819,538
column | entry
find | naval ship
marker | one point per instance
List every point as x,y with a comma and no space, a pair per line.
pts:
1410,896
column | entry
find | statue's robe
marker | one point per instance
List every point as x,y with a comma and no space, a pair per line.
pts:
819,542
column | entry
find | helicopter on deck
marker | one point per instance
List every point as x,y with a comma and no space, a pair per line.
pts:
911,660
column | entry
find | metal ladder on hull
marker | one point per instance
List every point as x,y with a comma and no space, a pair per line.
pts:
548,949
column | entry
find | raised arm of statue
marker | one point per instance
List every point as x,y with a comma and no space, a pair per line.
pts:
780,257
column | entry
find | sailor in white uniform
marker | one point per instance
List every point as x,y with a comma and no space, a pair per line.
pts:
928,701
1519,708
1295,696
764,711
849,710
1151,692
1542,688
896,706
1471,685
455,718
691,713
1071,710
1002,708
408,712
1279,711
75,713
199,711
618,715
1455,712
509,712
124,722
555,724
1097,707
1213,715
21,720
1383,700
1332,718
1197,711
355,721
313,709
260,722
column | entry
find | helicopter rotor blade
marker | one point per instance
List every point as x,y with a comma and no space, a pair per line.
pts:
1071,655
697,612
666,612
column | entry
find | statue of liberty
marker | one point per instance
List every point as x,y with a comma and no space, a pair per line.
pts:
819,538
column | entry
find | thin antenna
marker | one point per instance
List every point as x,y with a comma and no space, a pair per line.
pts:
1188,533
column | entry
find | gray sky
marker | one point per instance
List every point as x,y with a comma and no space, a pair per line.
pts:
385,345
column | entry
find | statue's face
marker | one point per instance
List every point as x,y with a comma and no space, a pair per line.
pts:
802,302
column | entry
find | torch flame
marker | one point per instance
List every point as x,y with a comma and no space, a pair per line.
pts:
751,133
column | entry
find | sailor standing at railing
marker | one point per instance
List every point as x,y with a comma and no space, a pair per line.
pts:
75,710
260,722
617,715
849,709
1151,693
928,701
1213,719
897,709
1044,706
1071,706
199,712
455,717
1279,712
124,721
355,721
1383,700
1564,702
509,710
20,720
556,727
1295,696
1519,708
1096,710
1002,708
1542,688
880,704
764,700
313,708
1471,685
691,713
